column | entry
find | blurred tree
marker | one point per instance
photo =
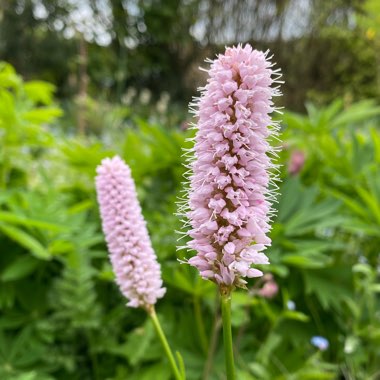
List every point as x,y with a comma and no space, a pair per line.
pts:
370,23
159,44
31,39
164,47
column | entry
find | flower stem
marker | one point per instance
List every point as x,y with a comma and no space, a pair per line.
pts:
227,335
200,325
213,339
165,344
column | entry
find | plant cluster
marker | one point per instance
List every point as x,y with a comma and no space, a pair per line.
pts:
313,315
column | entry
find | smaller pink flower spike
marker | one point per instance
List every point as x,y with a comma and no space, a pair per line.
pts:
230,168
133,260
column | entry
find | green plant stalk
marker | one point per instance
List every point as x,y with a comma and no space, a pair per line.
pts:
227,335
200,325
93,358
165,344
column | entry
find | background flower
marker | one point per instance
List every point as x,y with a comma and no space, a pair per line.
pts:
133,260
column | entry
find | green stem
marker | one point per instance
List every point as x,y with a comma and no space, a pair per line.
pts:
227,335
200,325
165,344
93,358
213,340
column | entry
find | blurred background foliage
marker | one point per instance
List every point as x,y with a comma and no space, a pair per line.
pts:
103,48
90,79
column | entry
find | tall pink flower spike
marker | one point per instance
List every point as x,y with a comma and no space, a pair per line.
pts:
133,260
229,204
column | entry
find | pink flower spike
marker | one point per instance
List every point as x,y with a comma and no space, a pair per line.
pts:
133,260
230,168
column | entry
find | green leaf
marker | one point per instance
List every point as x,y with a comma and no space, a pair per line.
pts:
289,203
259,370
375,288
352,224
312,260
273,340
330,285
19,268
308,219
19,343
7,295
27,241
8,76
39,91
42,115
295,315
140,341
155,371
371,202
188,280
360,111
181,364
29,222
81,206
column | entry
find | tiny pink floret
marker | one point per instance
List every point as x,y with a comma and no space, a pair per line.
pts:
133,260
229,204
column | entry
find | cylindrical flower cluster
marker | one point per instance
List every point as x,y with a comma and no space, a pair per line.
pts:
134,262
229,201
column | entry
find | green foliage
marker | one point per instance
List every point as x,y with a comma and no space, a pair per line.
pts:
62,316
